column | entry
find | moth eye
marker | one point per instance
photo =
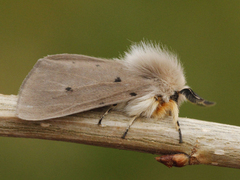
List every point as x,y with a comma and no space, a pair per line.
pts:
174,97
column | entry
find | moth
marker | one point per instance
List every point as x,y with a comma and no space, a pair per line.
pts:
147,81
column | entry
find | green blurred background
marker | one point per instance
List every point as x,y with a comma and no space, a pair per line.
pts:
205,35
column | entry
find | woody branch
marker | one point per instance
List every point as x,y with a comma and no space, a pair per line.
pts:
203,142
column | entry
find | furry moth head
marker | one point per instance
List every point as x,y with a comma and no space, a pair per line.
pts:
152,61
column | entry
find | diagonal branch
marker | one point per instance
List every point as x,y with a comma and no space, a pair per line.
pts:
203,142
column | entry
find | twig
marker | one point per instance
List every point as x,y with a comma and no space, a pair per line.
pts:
203,142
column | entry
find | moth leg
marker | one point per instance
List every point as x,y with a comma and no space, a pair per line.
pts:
129,125
170,108
108,110
179,131
176,122
174,113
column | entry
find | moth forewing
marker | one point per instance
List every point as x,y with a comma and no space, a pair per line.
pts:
60,85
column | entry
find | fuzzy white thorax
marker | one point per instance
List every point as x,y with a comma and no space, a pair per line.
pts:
153,62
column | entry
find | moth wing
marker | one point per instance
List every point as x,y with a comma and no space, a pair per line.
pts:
64,84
